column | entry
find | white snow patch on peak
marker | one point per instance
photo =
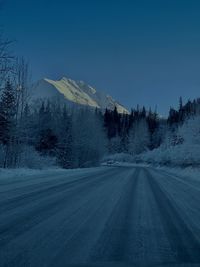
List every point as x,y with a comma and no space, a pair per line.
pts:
92,90
78,92
72,92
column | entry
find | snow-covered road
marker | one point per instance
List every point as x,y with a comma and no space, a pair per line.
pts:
101,216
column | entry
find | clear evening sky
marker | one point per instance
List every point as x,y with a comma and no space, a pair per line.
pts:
140,52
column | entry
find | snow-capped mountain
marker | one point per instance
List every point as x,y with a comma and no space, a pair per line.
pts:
75,92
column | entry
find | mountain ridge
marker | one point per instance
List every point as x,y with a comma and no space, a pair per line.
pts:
76,92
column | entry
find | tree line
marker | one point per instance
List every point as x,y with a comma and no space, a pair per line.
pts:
51,133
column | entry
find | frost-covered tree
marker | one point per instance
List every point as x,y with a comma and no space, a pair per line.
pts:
181,146
6,60
8,124
65,157
114,145
46,137
22,85
139,137
89,138
189,132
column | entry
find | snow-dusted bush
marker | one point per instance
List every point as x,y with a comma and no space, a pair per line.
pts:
30,158
185,153
114,145
139,138
89,139
190,131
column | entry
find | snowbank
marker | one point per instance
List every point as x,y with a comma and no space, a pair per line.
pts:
118,157
188,172
184,155
25,172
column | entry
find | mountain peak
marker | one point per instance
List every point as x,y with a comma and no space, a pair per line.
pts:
76,92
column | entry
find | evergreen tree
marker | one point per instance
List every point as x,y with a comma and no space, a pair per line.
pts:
8,123
47,142
46,139
139,137
65,141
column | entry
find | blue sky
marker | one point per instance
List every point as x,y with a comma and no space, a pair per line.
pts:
140,52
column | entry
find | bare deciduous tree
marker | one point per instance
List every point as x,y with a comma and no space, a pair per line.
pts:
6,59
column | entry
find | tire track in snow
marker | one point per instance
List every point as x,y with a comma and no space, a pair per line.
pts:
182,240
113,244
62,195
47,189
71,227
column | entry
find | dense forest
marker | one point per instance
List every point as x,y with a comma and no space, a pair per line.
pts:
52,134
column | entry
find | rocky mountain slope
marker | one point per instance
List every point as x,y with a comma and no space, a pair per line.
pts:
75,92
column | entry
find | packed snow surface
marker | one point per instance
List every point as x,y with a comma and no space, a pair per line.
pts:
105,216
